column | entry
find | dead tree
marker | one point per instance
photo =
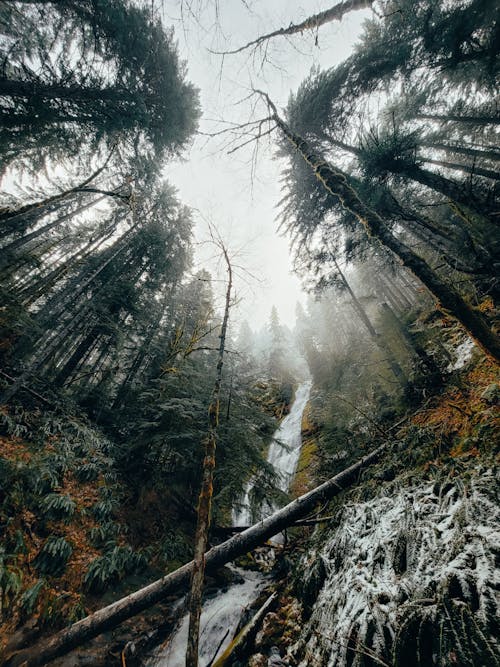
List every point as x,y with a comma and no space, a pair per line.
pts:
335,13
205,499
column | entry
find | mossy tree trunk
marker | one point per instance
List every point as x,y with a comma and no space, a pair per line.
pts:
205,499
337,184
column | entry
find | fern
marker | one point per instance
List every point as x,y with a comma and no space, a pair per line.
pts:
54,556
58,507
10,581
47,480
87,472
103,509
13,425
112,567
175,547
30,597
103,533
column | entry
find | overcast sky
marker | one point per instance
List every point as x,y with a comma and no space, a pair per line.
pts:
222,188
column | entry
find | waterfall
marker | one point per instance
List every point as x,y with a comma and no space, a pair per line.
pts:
221,614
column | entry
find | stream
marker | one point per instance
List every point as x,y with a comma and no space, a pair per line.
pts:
221,614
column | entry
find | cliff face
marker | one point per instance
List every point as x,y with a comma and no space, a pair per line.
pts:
407,577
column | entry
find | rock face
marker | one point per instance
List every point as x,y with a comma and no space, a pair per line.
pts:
407,578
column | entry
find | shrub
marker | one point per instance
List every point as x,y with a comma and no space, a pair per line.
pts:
58,507
112,567
30,597
54,556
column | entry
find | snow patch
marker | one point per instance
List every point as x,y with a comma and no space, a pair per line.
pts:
402,554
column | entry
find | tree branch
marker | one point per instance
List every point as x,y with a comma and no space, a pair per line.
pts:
335,13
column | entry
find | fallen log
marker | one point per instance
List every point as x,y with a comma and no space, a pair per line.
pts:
224,530
112,615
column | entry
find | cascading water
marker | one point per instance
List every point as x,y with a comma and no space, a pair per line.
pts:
221,614
284,453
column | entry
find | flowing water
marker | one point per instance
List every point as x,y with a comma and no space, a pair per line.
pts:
222,613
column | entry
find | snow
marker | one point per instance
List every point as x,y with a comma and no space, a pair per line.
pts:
462,353
366,594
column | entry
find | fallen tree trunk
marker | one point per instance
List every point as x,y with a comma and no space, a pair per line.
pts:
224,530
117,612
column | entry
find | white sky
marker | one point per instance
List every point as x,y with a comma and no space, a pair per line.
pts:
220,187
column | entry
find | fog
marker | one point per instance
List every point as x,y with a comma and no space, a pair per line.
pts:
238,193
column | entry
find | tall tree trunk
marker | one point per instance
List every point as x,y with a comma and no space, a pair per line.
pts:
109,617
11,391
139,358
14,214
427,362
396,369
33,291
450,189
337,184
205,499
475,153
471,170
88,341
23,240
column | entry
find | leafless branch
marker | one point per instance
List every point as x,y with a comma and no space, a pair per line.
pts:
335,13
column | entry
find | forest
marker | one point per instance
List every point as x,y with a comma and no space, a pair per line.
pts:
188,477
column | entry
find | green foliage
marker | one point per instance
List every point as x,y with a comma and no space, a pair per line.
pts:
103,509
30,596
87,472
58,507
10,580
174,547
53,556
131,86
104,532
112,567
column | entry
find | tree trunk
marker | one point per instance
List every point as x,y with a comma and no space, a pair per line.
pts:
396,369
335,13
427,362
88,341
337,184
33,291
23,379
450,189
242,639
119,611
474,153
23,240
205,499
11,215
471,170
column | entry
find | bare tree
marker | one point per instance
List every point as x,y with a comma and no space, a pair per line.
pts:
205,499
